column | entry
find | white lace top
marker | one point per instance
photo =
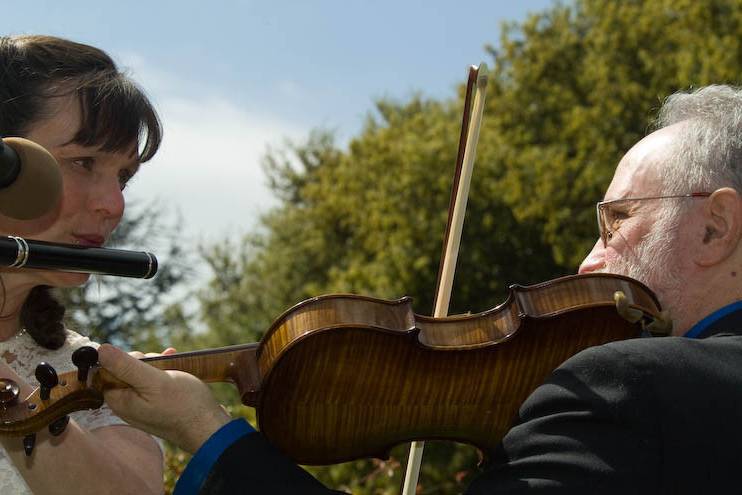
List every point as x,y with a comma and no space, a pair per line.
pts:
23,354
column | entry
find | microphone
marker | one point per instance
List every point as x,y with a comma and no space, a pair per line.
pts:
17,252
30,179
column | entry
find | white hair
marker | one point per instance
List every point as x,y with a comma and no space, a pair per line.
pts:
709,152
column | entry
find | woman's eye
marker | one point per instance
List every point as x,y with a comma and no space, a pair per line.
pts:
124,178
85,162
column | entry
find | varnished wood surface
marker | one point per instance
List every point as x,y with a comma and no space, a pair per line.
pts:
356,393
235,364
327,313
346,391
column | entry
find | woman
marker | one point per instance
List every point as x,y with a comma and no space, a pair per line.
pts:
71,99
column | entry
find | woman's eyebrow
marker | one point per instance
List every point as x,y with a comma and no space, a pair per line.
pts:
73,146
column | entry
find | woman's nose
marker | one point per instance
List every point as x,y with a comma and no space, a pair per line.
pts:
108,199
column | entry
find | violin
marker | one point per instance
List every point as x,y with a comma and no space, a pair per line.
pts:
341,377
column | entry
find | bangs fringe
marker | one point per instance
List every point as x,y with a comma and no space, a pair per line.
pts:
117,115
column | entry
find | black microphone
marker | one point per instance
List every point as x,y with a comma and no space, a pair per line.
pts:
30,179
17,252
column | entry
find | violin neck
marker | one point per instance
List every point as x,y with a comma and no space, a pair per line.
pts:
234,364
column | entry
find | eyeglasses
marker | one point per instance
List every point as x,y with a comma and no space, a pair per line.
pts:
607,217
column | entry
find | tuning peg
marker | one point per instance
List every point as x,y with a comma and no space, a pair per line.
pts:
8,392
84,358
28,443
47,378
57,427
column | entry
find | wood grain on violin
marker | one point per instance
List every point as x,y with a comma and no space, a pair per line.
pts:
342,377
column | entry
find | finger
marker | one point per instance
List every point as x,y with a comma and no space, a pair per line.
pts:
117,399
127,368
120,401
136,354
169,350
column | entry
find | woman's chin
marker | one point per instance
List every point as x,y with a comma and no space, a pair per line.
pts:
67,279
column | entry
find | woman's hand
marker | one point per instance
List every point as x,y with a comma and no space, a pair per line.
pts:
103,456
172,405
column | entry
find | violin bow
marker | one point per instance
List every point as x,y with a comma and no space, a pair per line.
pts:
470,125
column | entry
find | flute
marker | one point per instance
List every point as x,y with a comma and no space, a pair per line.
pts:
17,252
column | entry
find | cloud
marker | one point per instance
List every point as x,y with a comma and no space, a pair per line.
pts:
208,167
291,89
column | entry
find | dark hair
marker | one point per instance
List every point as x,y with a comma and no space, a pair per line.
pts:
42,315
116,114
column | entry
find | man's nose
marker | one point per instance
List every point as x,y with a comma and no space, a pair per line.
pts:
595,260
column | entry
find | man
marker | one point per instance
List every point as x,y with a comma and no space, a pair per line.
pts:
642,416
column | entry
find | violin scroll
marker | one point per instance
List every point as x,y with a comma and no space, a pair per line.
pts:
58,395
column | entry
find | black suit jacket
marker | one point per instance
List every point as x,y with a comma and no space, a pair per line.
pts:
642,416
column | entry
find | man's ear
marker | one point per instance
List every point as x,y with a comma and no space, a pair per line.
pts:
722,220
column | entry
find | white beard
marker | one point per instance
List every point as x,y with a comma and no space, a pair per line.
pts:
655,263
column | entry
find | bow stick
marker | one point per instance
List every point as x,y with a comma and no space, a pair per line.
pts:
471,123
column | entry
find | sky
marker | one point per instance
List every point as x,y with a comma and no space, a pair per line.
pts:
231,79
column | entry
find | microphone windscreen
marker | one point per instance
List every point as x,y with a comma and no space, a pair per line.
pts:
38,188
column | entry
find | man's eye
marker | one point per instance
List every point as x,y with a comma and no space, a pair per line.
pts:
615,218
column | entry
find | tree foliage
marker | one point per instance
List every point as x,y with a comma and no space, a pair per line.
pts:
572,88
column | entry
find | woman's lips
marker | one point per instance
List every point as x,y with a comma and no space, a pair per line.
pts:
90,240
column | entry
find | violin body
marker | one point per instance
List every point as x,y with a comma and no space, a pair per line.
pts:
347,377
342,377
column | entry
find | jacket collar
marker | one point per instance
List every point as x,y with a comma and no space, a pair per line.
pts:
724,320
